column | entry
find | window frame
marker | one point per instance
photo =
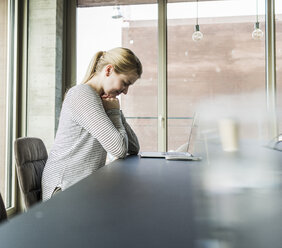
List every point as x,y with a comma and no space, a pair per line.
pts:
11,108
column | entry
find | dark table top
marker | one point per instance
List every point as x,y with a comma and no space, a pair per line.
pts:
225,200
129,203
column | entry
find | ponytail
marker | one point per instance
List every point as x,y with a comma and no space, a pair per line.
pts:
92,66
123,60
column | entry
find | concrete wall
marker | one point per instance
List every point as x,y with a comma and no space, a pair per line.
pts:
45,65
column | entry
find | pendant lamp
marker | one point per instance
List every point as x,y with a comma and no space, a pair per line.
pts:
257,34
197,35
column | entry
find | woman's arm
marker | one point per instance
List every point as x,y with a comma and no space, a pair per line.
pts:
87,110
133,143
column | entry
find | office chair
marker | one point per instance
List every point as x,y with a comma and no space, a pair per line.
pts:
31,156
3,213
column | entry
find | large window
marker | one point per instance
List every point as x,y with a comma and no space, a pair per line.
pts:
225,65
221,76
100,28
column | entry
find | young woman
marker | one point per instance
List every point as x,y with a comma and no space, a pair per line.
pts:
91,122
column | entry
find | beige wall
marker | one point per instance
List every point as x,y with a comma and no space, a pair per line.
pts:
3,84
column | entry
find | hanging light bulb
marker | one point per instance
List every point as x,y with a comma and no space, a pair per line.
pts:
257,34
197,35
116,12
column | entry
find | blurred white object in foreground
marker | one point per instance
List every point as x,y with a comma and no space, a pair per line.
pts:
229,135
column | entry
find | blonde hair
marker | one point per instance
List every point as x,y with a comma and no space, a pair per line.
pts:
123,60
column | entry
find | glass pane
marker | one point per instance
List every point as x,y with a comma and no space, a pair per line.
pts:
3,90
278,26
145,129
222,75
136,29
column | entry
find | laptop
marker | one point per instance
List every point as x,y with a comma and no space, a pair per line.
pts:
175,155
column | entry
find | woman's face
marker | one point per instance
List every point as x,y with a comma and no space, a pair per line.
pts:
114,84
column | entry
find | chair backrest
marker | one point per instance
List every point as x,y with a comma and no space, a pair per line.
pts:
3,213
31,156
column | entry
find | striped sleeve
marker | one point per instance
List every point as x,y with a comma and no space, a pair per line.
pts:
87,110
133,143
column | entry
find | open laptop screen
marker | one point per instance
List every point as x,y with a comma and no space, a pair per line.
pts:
187,152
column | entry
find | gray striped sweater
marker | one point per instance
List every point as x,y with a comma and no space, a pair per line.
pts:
86,132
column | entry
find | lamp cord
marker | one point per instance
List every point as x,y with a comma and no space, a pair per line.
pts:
197,13
257,10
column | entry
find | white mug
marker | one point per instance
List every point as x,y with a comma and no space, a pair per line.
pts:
229,134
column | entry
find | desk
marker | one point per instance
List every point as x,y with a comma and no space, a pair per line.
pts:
158,203
128,203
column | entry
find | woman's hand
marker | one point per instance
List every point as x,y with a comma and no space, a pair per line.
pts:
110,103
